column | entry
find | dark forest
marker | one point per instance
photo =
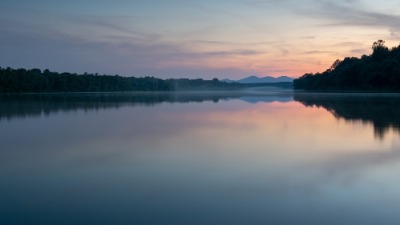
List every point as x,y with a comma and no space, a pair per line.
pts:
378,72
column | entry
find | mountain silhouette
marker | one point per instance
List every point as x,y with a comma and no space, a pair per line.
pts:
259,80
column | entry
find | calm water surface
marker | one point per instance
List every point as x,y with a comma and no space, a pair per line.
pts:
190,158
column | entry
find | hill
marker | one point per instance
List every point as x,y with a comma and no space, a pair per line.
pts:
379,71
260,80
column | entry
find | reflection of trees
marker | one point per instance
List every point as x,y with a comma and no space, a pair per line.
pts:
31,105
383,111
19,106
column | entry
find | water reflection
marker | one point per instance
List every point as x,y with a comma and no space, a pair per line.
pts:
20,106
219,159
380,110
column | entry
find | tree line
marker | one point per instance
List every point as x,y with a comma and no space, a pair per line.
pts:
37,81
379,71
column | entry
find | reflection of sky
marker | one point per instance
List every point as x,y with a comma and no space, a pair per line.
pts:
232,162
225,39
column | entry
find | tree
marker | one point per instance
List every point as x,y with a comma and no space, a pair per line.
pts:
380,51
335,64
378,44
379,71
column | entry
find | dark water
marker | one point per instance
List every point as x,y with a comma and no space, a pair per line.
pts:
196,158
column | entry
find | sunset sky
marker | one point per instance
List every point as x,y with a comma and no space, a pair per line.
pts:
196,39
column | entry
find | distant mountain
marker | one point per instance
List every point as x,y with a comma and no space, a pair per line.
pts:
258,80
268,79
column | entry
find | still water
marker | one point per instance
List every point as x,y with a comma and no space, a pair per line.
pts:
200,158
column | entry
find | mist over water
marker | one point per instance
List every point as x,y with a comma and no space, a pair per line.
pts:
253,157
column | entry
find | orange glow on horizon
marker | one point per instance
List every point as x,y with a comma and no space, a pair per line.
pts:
260,60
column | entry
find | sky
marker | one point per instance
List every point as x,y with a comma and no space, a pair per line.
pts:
192,38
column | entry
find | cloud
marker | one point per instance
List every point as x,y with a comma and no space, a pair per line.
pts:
81,43
309,37
123,55
350,13
232,43
258,3
361,51
228,35
318,52
348,44
231,53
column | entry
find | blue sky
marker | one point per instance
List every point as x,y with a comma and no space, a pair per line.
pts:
197,39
